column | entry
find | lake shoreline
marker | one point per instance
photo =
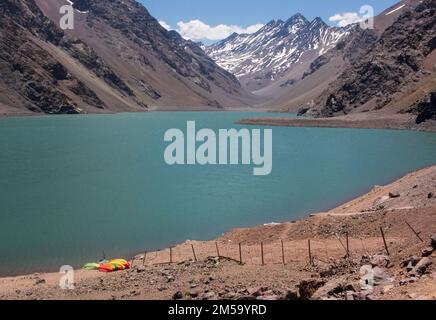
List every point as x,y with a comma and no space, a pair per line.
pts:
350,122
388,122
153,110
402,198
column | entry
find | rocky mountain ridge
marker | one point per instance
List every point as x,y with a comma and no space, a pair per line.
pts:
266,56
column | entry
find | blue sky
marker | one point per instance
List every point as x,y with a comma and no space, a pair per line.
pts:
245,13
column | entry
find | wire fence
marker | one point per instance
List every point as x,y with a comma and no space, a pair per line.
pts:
297,252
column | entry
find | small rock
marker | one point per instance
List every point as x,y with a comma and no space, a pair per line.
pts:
410,263
268,298
170,279
405,282
194,293
257,291
427,252
39,281
394,195
209,296
433,242
307,288
291,295
422,266
380,261
178,295
230,295
430,195
140,269
135,293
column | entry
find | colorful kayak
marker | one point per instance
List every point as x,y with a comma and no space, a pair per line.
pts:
91,266
114,265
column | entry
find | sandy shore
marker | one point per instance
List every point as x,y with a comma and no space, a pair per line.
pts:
411,199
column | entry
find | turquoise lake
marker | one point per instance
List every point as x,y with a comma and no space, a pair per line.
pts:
72,187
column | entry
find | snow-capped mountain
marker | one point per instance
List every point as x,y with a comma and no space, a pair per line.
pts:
268,55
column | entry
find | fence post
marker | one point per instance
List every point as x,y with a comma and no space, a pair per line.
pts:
283,253
145,257
240,253
261,251
310,253
340,241
384,241
193,252
348,244
415,232
217,250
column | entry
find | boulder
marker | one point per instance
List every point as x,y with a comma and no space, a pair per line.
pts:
380,277
307,288
410,263
333,288
372,277
422,266
380,261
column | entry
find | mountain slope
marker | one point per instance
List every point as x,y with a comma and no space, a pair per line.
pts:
394,42
279,52
118,58
398,63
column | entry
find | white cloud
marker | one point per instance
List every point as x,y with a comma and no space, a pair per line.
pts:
165,25
346,18
198,30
